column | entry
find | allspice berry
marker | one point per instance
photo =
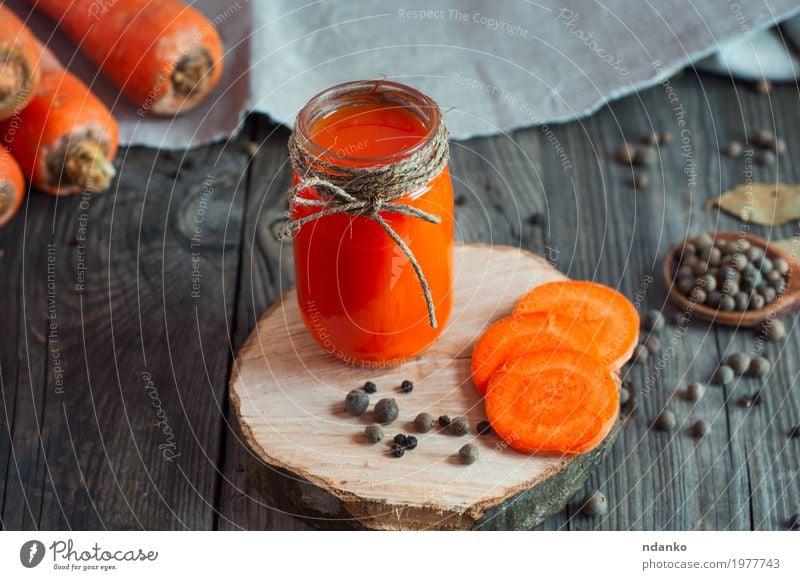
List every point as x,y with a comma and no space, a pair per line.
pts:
373,433
641,354
733,149
781,265
739,362
423,422
646,156
700,428
763,86
468,454
385,411
654,320
695,391
759,367
774,330
665,421
763,137
626,154
724,375
594,504
639,181
652,344
459,426
765,157
356,402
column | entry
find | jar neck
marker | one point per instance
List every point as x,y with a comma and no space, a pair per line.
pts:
374,94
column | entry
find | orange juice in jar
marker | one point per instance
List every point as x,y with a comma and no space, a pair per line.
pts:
372,215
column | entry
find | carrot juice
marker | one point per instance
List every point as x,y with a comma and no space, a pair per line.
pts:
359,293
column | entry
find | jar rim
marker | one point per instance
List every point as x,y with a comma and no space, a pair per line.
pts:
390,91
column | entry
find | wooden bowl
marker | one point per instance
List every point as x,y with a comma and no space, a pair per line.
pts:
784,305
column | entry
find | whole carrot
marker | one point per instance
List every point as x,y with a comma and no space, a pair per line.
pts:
19,71
165,56
12,186
65,139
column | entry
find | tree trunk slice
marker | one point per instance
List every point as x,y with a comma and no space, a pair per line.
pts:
307,455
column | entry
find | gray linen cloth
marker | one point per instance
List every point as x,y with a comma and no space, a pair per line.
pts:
497,66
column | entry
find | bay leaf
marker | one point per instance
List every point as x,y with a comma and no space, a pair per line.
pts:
766,204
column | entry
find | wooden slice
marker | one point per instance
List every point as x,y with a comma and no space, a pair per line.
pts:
784,305
309,457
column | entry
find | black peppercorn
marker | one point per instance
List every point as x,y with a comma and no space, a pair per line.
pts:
397,450
411,442
484,428
370,387
400,439
444,421
407,386
536,219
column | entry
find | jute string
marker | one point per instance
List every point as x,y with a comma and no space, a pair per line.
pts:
368,192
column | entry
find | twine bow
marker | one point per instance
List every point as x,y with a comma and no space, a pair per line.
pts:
369,192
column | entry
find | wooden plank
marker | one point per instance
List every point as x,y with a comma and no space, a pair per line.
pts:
266,270
23,363
655,480
131,438
759,434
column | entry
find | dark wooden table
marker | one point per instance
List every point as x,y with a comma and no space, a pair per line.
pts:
124,311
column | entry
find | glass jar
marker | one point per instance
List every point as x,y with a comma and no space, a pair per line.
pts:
358,292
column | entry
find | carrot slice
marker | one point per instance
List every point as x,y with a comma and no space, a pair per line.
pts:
612,320
515,336
556,401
